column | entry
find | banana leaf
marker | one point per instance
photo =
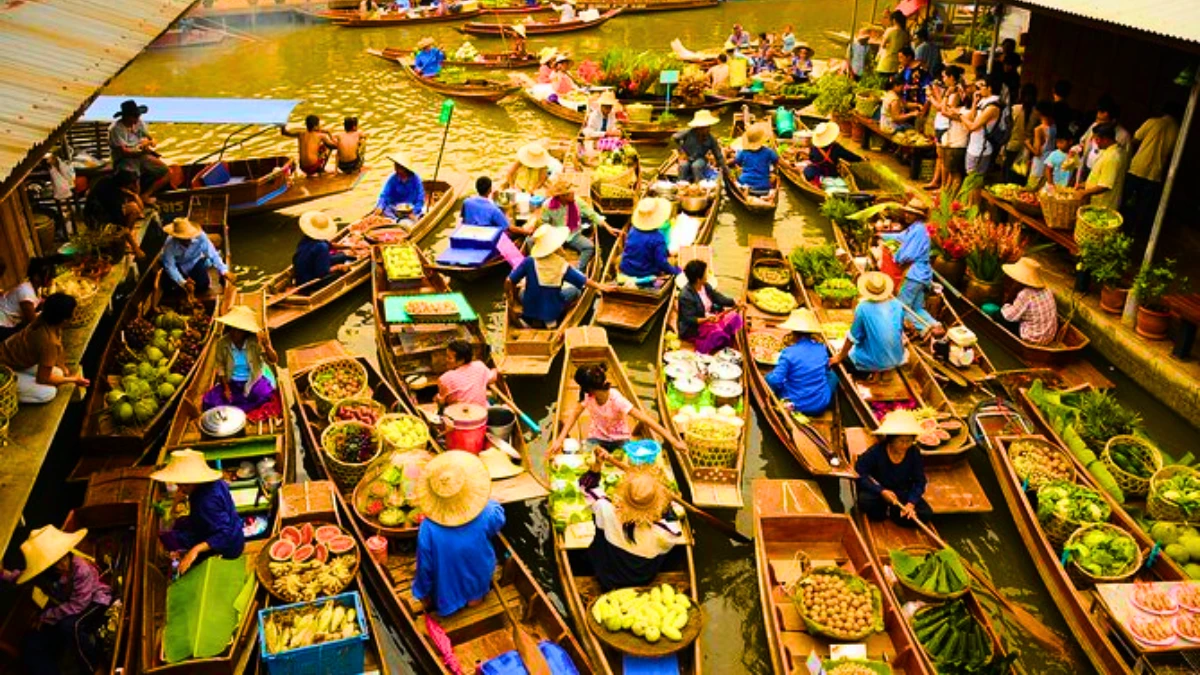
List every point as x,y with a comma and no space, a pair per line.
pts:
202,609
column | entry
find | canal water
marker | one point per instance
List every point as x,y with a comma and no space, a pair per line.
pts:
328,69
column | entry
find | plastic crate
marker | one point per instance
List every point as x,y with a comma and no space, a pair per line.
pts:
339,656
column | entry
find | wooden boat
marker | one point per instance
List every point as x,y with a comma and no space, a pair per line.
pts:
485,60
399,20
819,446
176,38
754,203
536,28
473,89
254,185
286,302
630,312
792,172
647,6
515,8
605,199
100,436
587,345
790,517
638,132
709,486
703,59
1091,623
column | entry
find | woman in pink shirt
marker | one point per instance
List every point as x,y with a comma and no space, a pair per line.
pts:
467,380
608,413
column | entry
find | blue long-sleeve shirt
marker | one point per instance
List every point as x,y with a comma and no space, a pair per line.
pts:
878,335
213,518
646,254
802,377
913,251
180,256
455,564
428,62
876,473
478,210
313,260
397,191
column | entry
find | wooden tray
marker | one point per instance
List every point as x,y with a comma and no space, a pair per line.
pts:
266,579
628,643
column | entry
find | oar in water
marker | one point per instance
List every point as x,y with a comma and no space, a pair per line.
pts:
525,419
527,648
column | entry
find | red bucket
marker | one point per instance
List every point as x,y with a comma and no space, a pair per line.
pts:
467,427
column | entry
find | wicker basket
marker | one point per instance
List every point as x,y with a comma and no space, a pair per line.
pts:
379,408
1083,576
866,104
1130,483
623,179
711,452
346,474
774,265
8,392
86,308
351,366
820,629
399,416
1035,480
1059,210
918,550
1161,509
1058,529
1085,231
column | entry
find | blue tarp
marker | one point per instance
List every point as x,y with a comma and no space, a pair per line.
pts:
197,110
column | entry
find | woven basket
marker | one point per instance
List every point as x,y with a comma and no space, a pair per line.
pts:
86,308
1130,483
1038,480
379,408
1161,509
352,366
1058,529
1083,576
623,179
711,452
397,416
1059,211
820,629
1085,231
866,104
918,550
773,264
8,392
346,474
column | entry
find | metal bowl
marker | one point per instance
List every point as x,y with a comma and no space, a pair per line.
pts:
694,203
223,421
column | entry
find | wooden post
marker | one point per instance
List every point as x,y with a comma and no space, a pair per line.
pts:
854,21
999,15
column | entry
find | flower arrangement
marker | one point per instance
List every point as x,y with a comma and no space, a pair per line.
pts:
629,73
989,245
945,225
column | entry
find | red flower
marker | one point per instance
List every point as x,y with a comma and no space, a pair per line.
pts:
956,205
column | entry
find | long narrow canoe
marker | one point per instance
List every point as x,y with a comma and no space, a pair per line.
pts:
515,8
792,516
793,173
647,6
100,436
709,486
754,203
588,345
1091,624
256,185
401,20
536,28
639,132
286,302
630,312
473,89
485,60
819,444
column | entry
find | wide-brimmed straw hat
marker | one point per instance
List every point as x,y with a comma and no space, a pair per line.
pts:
242,318
561,57
899,423
641,498
46,546
650,214
801,320
519,29
131,108
825,134
703,118
454,488
561,185
547,239
533,155
182,228
186,467
547,55
400,158
499,464
607,97
755,136
318,225
875,286
425,42
1026,271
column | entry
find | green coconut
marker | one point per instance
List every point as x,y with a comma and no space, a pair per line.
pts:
154,353
143,410
114,397
145,370
1164,533
174,379
165,390
136,387
129,369
1192,544
1178,553
123,412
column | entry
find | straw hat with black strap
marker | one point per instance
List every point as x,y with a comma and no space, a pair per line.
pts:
826,134
801,320
703,118
318,225
182,228
1025,271
242,318
454,488
607,97
534,156
46,546
875,286
186,467
899,423
641,498
650,214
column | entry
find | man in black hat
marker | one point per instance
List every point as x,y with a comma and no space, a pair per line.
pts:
133,149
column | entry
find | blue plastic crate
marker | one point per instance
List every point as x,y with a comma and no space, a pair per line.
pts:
479,237
339,656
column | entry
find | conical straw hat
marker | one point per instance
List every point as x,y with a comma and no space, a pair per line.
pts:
186,467
46,546
454,488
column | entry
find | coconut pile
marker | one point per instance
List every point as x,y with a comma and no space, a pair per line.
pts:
157,356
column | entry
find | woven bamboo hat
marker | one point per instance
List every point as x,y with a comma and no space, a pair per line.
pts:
875,286
454,488
182,228
899,423
318,225
703,118
1026,271
801,320
425,42
650,214
641,498
561,185
547,239
46,546
755,136
242,318
547,54
400,158
533,155
607,97
825,134
186,467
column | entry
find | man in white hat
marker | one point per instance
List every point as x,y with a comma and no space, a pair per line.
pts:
826,153
891,473
314,258
696,143
756,159
403,187
602,117
79,600
1032,314
551,283
212,525
646,257
802,377
913,255
188,255
428,60
244,358
455,558
876,340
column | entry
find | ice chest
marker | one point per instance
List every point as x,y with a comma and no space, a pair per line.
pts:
337,656
464,257
475,237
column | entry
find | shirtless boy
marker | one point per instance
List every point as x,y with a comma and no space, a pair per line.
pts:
349,146
315,144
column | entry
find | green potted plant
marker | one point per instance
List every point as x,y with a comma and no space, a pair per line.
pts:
1151,286
837,293
835,97
1107,260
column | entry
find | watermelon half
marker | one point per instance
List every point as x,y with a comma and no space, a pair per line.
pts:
292,534
342,544
306,533
303,553
322,553
282,550
327,532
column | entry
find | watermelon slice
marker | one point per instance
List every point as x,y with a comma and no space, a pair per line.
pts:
327,532
292,534
322,553
282,550
303,553
306,533
342,544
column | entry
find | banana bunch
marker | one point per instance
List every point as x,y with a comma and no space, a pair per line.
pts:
306,626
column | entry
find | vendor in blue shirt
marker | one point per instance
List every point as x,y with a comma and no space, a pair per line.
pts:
551,282
455,555
314,258
803,377
646,257
756,159
891,473
428,59
876,340
212,525
479,209
188,255
404,186
914,255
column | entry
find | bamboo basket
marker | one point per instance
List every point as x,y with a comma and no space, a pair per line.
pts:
773,264
8,393
379,408
1033,210
1058,529
708,452
1036,480
86,307
926,551
346,474
1131,484
1085,231
1059,210
876,624
1082,575
1162,509
355,369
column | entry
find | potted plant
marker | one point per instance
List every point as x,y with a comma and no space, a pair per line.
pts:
1151,286
947,254
1106,260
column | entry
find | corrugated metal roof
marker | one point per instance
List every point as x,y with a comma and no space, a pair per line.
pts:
1178,19
58,54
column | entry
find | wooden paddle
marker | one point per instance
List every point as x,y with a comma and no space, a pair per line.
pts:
525,419
527,649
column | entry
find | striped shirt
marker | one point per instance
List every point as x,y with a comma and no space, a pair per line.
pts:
1034,308
466,384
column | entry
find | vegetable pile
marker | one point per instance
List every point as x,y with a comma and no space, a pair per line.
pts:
1100,217
358,412
660,612
837,292
1182,490
773,300
856,667
351,443
815,264
1071,503
771,275
158,355
1104,551
305,626
401,263
1037,463
939,573
335,384
1180,543
386,494
765,347
955,640
838,604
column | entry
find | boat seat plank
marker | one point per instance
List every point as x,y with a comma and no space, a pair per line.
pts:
890,386
785,497
716,495
519,488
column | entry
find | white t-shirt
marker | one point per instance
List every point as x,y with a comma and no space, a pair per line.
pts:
10,304
976,145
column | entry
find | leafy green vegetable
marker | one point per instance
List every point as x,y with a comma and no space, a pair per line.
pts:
1101,417
1104,551
815,264
1072,503
1181,489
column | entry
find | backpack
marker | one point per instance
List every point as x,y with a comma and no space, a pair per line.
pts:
997,137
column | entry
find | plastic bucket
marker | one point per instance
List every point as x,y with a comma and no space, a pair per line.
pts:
500,421
468,427
642,452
